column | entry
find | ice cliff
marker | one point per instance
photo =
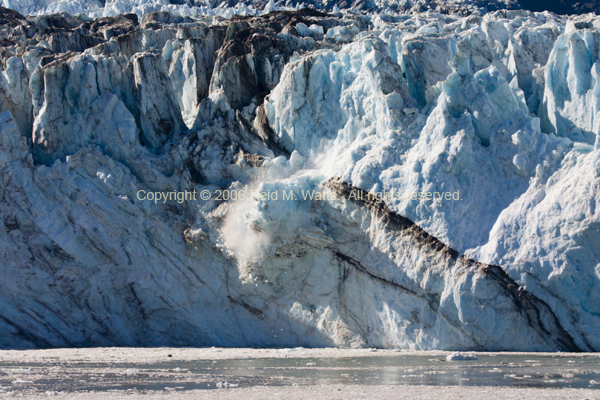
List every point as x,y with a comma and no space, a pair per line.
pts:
501,111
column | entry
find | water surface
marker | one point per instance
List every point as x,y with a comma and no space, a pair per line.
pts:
495,369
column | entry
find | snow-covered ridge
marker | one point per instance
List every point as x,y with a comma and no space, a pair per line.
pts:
500,109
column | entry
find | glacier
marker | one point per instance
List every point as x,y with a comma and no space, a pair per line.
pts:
500,109
228,9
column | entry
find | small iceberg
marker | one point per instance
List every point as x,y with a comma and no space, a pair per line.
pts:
460,357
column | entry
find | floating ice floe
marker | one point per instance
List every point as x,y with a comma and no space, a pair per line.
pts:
458,356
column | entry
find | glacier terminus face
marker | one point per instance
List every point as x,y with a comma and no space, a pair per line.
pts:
177,175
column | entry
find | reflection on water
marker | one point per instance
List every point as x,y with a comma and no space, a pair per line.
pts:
509,370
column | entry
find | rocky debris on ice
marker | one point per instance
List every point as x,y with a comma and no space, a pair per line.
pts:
300,108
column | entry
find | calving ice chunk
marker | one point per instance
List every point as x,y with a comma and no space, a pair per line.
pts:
298,178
